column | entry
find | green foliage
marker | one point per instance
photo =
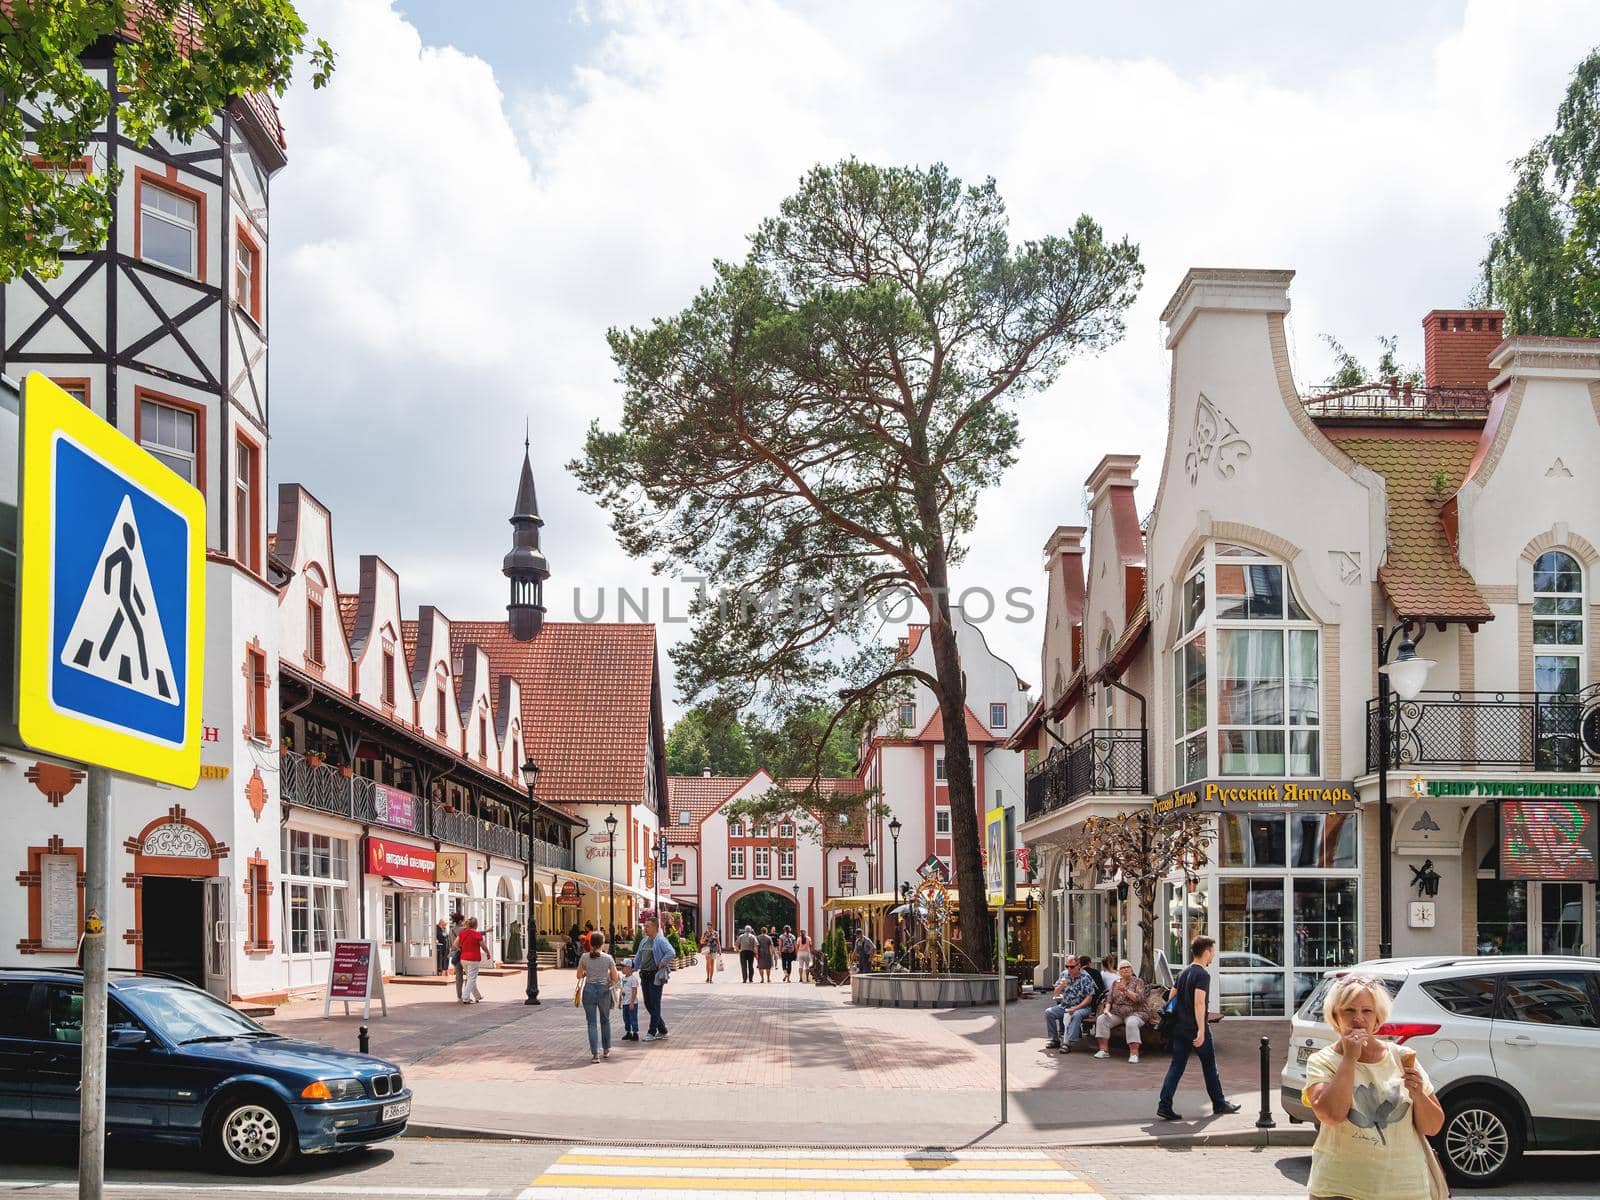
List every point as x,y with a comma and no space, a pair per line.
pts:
1349,373
836,952
1440,482
177,63
811,435
1543,263
709,737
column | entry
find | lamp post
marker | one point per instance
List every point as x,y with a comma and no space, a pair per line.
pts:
871,856
1407,673
611,863
894,835
530,776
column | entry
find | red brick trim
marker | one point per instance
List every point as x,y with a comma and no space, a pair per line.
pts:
33,880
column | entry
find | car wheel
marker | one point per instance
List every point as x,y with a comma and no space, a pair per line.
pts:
252,1133
1481,1142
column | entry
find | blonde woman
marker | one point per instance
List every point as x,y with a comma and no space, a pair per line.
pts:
1375,1104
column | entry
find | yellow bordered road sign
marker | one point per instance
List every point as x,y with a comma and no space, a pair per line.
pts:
110,596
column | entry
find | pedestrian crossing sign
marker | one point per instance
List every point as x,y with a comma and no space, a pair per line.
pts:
111,596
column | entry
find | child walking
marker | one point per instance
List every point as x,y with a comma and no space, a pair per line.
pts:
629,988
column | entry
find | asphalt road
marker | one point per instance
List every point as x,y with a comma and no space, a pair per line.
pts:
418,1169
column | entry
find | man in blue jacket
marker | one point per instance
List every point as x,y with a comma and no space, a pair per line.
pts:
653,957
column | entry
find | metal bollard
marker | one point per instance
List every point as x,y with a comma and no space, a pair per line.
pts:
363,1044
1265,1121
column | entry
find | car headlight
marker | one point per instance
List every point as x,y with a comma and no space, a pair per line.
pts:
333,1089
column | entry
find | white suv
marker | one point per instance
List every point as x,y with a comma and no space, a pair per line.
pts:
1511,1042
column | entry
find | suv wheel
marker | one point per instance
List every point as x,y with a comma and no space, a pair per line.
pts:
252,1133
1481,1142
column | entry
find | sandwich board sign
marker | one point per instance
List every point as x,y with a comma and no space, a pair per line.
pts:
110,596
355,972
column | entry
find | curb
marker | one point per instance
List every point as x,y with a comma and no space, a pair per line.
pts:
1292,1135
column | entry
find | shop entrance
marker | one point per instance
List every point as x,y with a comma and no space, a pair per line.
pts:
172,918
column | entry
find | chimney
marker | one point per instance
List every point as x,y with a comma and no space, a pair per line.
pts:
1456,344
706,774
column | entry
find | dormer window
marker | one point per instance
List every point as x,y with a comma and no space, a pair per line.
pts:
735,828
685,817
388,677
439,711
908,716
314,630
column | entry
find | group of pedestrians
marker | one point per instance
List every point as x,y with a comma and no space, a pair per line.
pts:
1120,999
461,945
759,950
604,984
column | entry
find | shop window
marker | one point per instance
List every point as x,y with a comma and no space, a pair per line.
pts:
736,862
1502,916
1558,623
1246,668
316,870
1555,998
1252,840
258,726
1327,841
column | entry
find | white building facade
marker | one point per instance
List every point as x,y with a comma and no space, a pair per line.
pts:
1286,529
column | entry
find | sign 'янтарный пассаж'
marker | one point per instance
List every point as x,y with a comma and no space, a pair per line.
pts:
1258,795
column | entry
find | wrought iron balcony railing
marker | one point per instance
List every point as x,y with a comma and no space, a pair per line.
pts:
1102,762
321,787
1539,731
474,833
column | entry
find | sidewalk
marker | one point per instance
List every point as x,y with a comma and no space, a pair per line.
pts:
783,1065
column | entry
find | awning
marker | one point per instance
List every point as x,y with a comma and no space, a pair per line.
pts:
415,885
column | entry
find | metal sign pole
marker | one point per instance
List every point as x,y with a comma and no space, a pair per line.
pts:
92,1081
1000,953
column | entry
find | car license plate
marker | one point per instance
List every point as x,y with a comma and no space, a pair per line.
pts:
394,1112
1303,1055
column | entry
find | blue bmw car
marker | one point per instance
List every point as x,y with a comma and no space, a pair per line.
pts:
183,1067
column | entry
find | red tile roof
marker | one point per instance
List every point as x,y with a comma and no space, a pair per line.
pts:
587,702
702,795
933,731
349,604
1422,578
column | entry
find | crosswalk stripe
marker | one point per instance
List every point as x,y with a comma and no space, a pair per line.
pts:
941,1164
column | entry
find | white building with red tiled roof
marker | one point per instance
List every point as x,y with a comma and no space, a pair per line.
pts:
715,860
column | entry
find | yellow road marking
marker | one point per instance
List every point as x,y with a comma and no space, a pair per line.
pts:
824,1184
920,1163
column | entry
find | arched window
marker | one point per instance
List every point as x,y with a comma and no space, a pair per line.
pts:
1246,677
1558,623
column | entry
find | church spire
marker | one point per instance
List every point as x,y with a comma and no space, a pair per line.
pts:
525,566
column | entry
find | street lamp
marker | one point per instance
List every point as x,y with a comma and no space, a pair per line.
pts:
1406,674
871,856
894,834
796,890
611,860
530,776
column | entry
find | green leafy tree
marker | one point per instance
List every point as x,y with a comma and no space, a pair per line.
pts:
1349,373
811,436
709,737
177,61
1543,264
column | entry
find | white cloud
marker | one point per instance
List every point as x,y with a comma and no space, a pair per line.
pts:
447,257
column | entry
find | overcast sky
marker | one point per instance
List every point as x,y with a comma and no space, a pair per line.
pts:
487,185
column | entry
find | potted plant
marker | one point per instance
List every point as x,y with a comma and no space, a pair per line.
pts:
314,758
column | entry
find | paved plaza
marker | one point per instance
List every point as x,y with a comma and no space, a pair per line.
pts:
780,1065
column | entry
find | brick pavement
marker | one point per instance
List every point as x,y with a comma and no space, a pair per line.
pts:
758,1057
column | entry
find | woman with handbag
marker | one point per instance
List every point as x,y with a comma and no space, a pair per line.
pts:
709,947
597,976
1375,1104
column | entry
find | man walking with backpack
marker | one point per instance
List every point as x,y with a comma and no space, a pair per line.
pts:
1192,1034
